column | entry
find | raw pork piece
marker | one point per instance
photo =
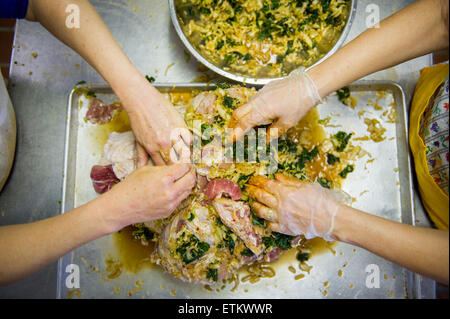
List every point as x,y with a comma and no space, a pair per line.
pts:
118,161
194,235
218,187
120,152
99,112
103,178
203,104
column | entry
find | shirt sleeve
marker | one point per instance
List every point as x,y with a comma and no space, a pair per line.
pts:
13,8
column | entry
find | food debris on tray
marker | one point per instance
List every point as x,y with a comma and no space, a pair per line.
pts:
214,232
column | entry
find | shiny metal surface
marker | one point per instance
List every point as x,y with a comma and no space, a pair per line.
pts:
8,132
34,188
388,195
237,77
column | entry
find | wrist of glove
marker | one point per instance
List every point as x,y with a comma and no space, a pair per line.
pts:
294,207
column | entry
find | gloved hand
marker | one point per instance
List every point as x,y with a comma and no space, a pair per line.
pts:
281,102
295,207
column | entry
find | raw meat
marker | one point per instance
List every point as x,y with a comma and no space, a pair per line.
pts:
99,112
218,187
236,216
103,178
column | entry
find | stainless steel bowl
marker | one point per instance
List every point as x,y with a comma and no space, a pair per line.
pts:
241,78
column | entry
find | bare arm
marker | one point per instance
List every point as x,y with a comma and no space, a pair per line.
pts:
92,40
422,250
418,29
152,117
27,248
147,194
296,207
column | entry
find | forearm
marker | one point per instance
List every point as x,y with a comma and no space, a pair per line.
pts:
27,248
418,29
93,41
422,250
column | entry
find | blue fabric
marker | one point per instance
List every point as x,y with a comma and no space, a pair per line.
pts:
13,8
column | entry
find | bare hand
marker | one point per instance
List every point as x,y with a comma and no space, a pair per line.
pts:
149,193
158,127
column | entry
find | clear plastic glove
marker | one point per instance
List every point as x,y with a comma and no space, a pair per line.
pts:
294,207
159,129
281,102
149,193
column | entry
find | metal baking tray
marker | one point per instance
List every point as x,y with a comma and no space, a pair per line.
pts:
381,187
242,78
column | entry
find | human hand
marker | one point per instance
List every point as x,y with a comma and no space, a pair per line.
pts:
149,193
159,129
295,207
281,102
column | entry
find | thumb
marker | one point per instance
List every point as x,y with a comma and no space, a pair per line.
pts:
177,171
142,156
246,117
239,122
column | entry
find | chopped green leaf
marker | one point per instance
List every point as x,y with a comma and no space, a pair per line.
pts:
190,11
212,274
286,146
331,159
256,220
206,127
91,93
238,10
343,94
230,58
143,233
324,182
151,79
192,249
267,27
346,170
302,257
277,240
205,11
230,243
283,241
247,252
232,43
229,102
220,44
268,241
299,3
275,4
243,179
281,57
304,157
342,140
325,5
219,120
223,85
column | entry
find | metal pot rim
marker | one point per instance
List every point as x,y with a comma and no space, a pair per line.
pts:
241,78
